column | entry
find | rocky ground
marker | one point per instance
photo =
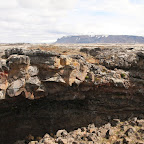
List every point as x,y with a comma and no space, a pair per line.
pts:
44,88
117,132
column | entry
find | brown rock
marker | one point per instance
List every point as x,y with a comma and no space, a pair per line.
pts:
3,81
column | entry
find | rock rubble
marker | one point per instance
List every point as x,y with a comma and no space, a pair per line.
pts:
127,132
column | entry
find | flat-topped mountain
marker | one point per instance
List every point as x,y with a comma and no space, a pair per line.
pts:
101,39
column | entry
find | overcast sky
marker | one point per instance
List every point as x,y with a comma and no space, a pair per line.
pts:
39,21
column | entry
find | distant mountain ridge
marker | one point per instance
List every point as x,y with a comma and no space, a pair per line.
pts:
101,39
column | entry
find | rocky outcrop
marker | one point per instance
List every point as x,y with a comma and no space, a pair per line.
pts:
42,92
121,58
35,73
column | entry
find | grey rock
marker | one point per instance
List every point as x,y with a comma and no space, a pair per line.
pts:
15,60
85,50
30,53
61,133
140,54
33,71
32,84
16,87
140,123
92,137
95,51
3,66
2,94
141,131
91,128
129,132
61,140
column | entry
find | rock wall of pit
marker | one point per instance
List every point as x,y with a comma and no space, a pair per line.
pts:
42,91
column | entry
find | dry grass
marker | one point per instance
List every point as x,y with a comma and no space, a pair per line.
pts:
66,50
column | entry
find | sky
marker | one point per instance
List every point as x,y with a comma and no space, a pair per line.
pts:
43,21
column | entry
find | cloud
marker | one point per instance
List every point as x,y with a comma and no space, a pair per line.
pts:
32,21
109,17
47,4
8,4
47,20
124,7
